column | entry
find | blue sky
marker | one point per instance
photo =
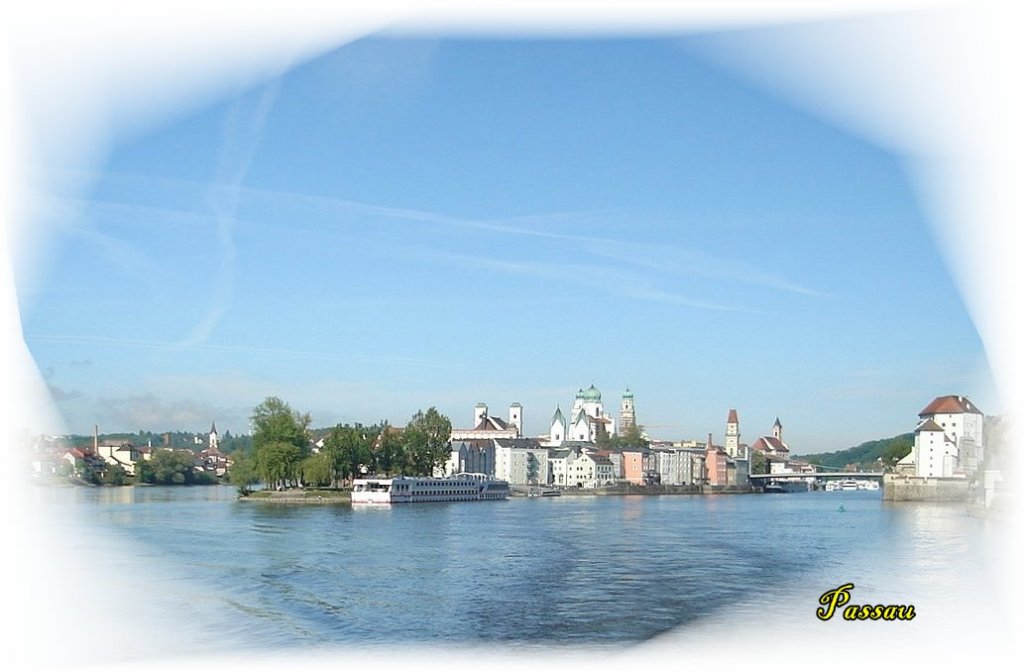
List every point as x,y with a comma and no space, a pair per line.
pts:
415,221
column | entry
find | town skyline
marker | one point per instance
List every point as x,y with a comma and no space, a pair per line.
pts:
406,221
746,436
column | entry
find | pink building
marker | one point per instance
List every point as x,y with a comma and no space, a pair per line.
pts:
633,466
715,464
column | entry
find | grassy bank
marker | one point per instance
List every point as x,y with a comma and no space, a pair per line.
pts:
300,496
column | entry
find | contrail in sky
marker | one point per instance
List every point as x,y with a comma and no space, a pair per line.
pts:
243,130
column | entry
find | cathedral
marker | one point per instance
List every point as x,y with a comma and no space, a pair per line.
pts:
587,419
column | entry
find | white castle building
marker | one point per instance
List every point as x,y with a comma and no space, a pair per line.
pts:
948,440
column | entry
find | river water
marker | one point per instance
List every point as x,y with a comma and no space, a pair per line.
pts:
173,574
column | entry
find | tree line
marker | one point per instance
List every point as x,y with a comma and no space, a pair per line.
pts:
164,466
283,454
176,440
866,455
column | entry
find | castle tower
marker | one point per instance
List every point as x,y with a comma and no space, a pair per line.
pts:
515,417
777,429
627,413
732,434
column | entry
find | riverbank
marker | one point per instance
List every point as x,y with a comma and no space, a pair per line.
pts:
318,496
630,489
299,496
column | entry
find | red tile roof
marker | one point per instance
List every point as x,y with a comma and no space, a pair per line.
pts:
949,404
770,444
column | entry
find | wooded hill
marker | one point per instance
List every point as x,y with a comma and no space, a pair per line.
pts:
866,455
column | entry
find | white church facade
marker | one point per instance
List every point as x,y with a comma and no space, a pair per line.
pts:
586,421
486,426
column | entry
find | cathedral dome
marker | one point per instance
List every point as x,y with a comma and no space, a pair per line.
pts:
627,394
591,394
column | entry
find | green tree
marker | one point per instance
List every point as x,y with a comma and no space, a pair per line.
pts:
632,437
897,449
203,477
171,467
144,471
427,441
242,473
316,470
280,442
90,473
389,455
278,462
349,450
230,444
114,475
758,463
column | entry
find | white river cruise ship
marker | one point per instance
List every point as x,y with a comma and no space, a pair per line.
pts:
457,488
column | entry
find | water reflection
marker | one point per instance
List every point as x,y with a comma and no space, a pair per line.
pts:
572,571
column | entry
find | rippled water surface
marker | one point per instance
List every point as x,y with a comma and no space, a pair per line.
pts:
565,571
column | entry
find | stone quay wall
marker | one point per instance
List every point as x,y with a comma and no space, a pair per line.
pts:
898,488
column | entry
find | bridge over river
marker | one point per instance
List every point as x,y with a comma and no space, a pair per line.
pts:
819,475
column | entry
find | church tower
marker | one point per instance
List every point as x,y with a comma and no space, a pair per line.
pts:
515,417
777,429
214,439
627,414
732,434
479,413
